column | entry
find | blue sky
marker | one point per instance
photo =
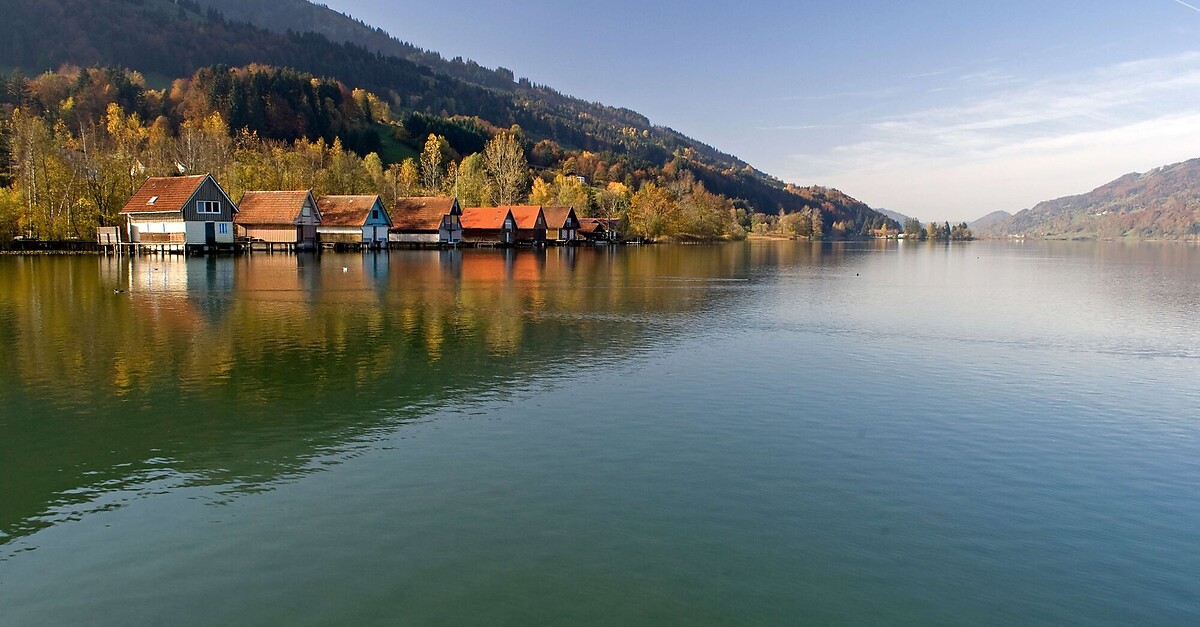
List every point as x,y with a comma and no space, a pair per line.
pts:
941,110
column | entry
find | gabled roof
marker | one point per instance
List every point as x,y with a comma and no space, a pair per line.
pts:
421,213
164,194
347,210
271,208
557,217
526,217
592,226
491,218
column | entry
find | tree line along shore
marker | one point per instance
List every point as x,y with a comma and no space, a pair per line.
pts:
80,141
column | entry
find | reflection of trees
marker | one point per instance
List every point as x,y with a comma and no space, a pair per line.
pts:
240,370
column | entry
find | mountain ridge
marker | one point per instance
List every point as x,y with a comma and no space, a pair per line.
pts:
900,218
303,16
1162,203
174,38
990,219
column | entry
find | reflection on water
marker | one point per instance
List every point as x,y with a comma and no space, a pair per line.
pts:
129,371
755,433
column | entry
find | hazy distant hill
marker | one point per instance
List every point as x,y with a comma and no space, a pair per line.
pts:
900,218
990,220
171,39
1161,204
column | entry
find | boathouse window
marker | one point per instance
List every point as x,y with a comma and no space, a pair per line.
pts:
223,228
374,214
208,206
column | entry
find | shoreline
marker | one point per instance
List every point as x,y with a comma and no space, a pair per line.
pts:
751,238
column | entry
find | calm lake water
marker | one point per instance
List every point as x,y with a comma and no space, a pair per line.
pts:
759,433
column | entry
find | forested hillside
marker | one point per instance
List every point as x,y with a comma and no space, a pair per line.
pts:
1160,204
302,16
189,62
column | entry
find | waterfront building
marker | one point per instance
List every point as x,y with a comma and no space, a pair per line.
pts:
562,224
285,218
353,221
489,226
426,221
180,212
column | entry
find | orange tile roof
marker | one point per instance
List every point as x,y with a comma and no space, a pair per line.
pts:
556,217
484,217
168,193
270,207
345,210
526,217
420,214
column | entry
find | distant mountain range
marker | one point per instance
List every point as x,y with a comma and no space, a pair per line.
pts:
900,218
990,220
171,39
1161,204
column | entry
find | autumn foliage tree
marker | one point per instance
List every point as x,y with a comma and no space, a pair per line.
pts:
507,169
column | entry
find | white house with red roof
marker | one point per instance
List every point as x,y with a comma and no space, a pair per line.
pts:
191,211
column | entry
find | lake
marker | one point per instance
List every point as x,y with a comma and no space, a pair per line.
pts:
757,433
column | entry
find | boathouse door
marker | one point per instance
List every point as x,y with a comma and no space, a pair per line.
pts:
210,233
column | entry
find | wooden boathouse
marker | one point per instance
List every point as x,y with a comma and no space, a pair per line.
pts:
426,221
353,222
562,225
283,220
489,226
531,224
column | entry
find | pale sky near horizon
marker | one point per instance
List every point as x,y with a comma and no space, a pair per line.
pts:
937,109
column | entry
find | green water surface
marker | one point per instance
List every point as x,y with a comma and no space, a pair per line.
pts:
760,433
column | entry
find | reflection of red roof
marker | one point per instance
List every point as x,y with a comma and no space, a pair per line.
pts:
163,194
526,268
485,267
526,217
484,217
275,208
346,210
420,214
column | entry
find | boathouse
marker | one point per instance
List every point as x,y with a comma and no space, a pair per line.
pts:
599,230
489,226
353,221
426,221
181,212
531,224
561,224
288,219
